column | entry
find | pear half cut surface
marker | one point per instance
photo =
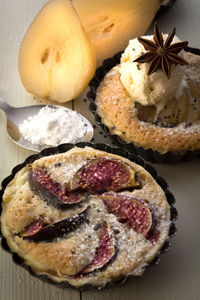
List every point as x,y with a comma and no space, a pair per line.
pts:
56,58
111,24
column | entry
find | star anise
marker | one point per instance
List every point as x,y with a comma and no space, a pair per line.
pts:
161,54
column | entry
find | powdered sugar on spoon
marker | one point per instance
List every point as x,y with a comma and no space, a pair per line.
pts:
40,126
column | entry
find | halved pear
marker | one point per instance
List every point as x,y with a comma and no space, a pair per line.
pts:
56,58
111,24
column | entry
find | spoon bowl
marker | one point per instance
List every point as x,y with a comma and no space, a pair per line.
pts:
16,115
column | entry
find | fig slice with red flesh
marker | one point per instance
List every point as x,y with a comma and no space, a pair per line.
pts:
104,174
52,192
135,213
59,229
34,227
104,253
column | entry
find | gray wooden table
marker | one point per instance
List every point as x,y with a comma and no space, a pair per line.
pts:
177,275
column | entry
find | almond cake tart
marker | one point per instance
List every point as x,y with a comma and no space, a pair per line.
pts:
149,96
85,216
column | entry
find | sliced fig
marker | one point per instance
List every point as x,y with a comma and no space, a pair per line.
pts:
52,192
58,229
104,174
105,252
34,227
153,236
135,213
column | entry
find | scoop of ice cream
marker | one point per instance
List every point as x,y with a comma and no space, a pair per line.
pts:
147,89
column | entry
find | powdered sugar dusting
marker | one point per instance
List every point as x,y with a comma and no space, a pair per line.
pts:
131,250
53,126
177,127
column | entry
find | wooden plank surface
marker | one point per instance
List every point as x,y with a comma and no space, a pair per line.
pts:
15,16
177,275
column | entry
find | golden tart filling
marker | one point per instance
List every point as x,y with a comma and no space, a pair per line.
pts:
85,216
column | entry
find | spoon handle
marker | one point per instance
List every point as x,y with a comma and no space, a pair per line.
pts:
5,106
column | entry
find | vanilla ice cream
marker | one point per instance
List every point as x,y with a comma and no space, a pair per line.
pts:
155,89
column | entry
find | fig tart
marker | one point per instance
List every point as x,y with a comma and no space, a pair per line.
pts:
148,97
85,216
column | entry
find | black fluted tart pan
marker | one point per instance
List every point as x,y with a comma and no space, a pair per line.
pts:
148,154
107,148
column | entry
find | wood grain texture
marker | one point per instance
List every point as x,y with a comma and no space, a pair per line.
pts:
15,17
177,275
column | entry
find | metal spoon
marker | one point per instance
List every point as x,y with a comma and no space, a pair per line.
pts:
16,115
